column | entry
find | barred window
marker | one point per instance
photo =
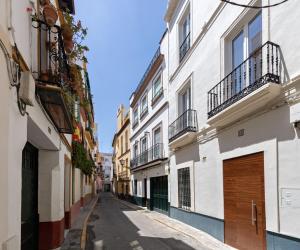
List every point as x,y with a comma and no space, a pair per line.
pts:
184,188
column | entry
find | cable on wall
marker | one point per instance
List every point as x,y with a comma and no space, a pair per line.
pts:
254,7
14,74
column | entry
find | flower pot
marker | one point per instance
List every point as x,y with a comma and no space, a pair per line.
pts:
66,32
69,45
50,14
44,76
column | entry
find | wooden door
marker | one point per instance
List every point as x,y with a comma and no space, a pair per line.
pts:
244,202
29,208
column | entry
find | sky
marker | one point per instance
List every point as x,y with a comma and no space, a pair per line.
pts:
123,36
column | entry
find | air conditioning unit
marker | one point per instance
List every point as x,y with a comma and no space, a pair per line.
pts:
27,88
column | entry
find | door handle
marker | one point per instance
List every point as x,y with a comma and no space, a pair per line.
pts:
254,213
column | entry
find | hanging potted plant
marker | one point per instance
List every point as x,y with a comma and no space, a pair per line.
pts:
78,36
50,13
66,31
68,45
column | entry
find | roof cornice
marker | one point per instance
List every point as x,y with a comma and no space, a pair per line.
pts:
172,4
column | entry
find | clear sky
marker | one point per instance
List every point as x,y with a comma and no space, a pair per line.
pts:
123,36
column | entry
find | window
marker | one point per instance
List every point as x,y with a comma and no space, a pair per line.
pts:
135,117
157,136
135,150
244,44
157,147
135,187
184,35
144,147
157,87
126,140
144,144
184,189
184,100
144,105
122,145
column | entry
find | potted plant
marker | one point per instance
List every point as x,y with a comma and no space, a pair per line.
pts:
78,35
68,45
66,31
50,13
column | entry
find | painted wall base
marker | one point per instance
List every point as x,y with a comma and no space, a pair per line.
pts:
281,242
210,225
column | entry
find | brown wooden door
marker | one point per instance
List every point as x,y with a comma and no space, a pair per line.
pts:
244,202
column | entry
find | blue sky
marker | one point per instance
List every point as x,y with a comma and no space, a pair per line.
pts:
123,36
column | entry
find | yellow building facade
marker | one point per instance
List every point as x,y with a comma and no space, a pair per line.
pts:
121,157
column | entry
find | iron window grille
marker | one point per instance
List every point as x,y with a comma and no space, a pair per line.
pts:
260,68
184,188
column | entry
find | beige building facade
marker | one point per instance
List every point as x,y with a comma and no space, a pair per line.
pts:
121,157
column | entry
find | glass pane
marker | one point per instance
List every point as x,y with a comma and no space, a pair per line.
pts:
255,33
237,59
255,42
157,86
157,136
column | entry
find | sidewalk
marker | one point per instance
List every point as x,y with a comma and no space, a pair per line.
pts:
73,238
181,227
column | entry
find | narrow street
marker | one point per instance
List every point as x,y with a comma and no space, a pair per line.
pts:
115,225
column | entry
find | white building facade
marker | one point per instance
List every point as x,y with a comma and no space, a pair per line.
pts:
39,198
234,112
107,168
149,135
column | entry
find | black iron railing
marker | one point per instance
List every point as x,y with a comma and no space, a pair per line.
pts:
261,67
53,65
184,47
187,122
154,153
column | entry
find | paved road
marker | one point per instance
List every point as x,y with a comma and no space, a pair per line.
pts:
115,226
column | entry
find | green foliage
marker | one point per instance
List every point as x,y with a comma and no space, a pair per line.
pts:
81,159
79,35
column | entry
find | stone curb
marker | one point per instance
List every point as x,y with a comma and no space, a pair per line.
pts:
83,233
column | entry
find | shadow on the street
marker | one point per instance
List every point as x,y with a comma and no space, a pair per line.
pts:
117,232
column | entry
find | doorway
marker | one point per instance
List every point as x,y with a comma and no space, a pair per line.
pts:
244,202
29,205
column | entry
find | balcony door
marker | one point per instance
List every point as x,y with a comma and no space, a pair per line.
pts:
243,45
144,147
156,143
184,105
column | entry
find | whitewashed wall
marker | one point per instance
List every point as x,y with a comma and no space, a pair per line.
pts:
271,132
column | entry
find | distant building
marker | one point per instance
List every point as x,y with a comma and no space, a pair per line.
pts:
106,163
121,157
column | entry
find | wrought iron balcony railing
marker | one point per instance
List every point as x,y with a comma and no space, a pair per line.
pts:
52,62
184,47
154,153
187,122
261,67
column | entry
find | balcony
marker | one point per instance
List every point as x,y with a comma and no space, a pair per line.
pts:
154,155
184,47
183,130
52,75
248,88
